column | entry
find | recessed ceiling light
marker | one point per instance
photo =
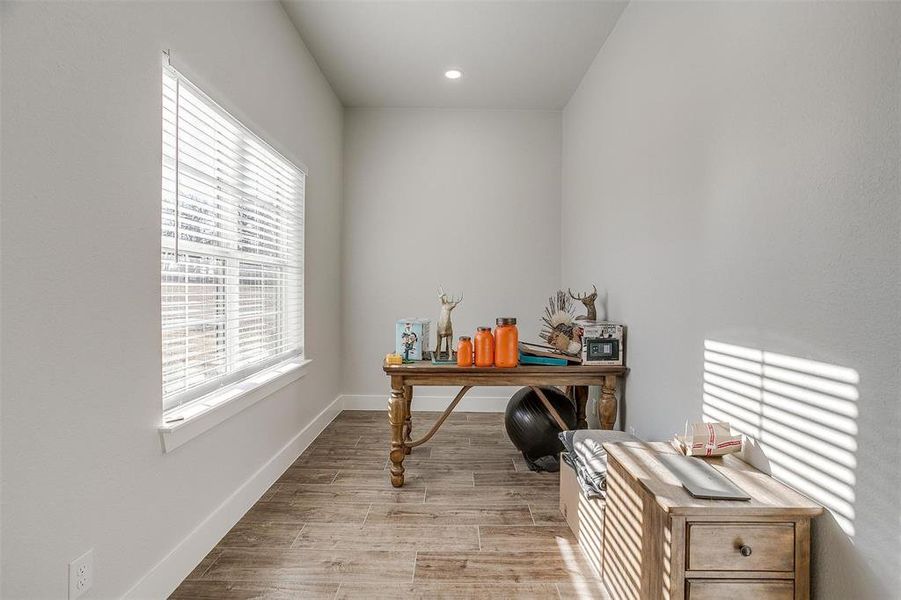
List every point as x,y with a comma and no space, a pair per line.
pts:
453,74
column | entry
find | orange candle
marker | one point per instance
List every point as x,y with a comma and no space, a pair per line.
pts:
506,343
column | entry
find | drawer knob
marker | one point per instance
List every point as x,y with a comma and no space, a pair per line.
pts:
745,550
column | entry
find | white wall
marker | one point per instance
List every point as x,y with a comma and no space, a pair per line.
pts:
82,465
730,173
468,199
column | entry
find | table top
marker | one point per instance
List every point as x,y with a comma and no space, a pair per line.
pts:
427,373
769,497
424,366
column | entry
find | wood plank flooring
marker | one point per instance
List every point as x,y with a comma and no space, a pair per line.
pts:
470,522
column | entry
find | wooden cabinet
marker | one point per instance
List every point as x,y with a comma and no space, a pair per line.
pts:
661,542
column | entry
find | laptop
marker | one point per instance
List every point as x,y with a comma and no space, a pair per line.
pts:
700,479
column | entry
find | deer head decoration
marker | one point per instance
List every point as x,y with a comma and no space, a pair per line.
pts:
588,300
445,327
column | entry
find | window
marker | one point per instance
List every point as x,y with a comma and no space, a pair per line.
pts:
232,248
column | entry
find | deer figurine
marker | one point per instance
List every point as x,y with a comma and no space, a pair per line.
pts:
445,327
588,300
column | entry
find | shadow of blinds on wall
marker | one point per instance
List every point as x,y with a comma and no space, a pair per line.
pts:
232,247
800,414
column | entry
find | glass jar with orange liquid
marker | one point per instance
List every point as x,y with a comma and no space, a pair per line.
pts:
506,343
484,347
464,352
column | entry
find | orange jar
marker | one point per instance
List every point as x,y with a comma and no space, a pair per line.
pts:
484,347
506,343
464,352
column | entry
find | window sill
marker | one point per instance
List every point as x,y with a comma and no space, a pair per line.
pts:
184,423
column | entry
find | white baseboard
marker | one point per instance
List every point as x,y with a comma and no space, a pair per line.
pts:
165,576
439,403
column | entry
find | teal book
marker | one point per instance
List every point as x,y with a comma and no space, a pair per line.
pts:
527,359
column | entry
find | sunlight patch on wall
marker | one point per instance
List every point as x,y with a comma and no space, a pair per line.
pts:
801,416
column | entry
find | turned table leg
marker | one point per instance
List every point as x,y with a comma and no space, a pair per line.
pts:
408,418
579,395
396,417
607,403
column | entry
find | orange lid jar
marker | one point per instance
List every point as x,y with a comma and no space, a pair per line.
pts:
464,352
506,343
484,347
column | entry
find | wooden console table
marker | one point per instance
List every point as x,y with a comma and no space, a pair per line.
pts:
405,377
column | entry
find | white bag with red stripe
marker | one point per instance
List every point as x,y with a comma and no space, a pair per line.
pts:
708,439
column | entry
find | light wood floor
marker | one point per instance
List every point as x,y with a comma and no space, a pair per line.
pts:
471,522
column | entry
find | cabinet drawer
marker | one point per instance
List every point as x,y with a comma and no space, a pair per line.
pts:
719,547
738,589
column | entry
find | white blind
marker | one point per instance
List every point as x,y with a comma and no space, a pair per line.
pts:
232,247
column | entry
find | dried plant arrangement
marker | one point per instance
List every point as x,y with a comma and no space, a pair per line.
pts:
559,329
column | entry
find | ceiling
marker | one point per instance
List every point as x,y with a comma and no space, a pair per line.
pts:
513,53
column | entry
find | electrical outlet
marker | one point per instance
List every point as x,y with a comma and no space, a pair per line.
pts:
633,431
81,574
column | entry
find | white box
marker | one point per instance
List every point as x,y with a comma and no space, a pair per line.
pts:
603,343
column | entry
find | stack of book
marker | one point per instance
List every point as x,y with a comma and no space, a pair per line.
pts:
537,354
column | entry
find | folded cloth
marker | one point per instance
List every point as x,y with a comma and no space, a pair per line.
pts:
588,457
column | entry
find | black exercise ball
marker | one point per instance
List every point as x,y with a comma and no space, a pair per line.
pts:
530,426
